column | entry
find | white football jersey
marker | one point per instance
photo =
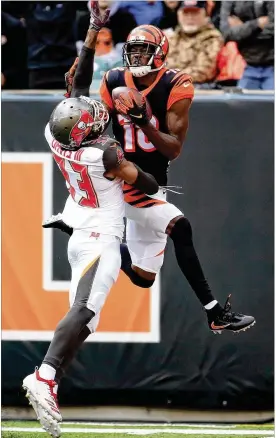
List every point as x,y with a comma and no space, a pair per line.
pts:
94,202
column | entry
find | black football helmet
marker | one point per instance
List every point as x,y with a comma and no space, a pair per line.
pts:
78,120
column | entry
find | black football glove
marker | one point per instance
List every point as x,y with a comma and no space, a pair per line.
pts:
56,221
137,114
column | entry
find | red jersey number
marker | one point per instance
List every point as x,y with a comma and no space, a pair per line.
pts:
80,185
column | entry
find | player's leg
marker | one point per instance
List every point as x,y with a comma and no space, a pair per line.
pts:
133,254
143,255
89,291
166,218
180,231
70,354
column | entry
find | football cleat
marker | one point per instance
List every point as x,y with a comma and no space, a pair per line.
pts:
230,321
40,393
56,221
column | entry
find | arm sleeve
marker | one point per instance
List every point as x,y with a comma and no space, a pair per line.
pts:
145,182
113,156
84,73
237,33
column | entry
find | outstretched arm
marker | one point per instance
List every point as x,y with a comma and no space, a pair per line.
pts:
79,77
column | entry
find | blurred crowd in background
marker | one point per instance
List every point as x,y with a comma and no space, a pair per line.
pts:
219,43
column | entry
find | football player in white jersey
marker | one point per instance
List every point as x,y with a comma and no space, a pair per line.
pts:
94,168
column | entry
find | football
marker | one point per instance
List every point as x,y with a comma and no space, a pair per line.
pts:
124,98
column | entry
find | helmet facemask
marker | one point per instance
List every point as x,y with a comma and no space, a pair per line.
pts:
101,119
153,51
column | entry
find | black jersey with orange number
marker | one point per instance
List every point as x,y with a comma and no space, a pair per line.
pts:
169,87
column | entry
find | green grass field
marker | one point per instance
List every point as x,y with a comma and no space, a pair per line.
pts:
31,429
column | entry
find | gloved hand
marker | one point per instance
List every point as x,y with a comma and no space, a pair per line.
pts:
138,114
56,221
132,105
97,21
69,76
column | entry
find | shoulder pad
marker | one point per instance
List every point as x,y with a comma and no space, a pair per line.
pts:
180,77
104,142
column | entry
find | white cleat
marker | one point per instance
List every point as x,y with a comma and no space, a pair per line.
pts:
50,425
47,422
42,397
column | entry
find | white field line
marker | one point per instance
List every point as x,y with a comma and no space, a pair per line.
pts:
130,425
216,432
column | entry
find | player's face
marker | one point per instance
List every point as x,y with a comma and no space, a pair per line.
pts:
140,54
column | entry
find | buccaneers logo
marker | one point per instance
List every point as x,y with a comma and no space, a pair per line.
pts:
120,155
82,128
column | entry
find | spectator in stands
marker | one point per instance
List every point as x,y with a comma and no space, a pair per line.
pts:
195,43
51,41
169,16
213,10
251,26
144,12
14,74
106,56
121,21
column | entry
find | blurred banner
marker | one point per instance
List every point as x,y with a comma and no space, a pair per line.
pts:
152,347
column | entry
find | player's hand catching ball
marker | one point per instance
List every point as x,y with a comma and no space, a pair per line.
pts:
97,21
131,104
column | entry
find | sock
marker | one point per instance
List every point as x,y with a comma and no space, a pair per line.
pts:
127,269
213,313
188,262
209,306
47,372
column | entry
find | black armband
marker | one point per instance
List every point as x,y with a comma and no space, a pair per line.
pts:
145,182
84,73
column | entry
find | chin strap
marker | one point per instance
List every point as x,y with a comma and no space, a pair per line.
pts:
145,70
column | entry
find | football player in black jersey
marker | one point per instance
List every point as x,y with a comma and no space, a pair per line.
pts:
152,143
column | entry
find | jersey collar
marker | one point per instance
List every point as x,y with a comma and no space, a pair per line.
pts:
130,83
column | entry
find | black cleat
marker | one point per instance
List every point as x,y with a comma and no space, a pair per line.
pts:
56,221
230,321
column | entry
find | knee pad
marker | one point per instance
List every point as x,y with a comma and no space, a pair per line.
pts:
182,231
140,281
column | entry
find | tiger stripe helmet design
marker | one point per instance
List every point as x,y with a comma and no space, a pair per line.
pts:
156,47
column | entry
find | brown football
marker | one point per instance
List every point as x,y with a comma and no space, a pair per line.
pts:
123,98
